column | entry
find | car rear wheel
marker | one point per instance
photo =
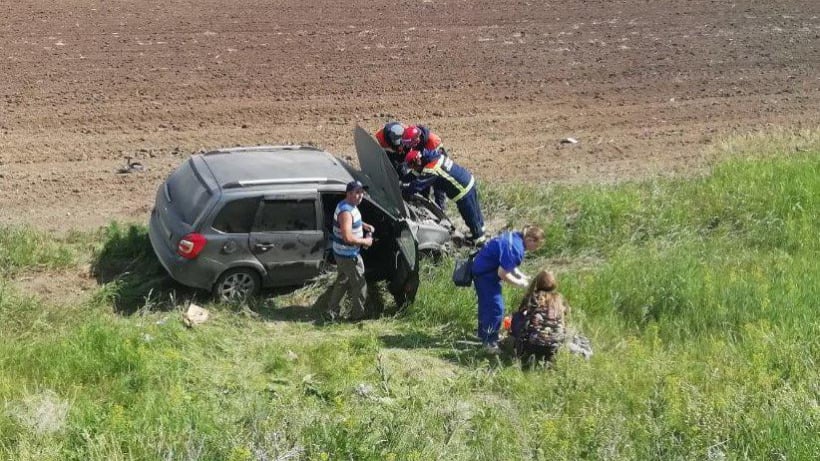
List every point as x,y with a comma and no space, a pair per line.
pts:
237,285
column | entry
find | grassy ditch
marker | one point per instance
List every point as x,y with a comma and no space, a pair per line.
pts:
699,297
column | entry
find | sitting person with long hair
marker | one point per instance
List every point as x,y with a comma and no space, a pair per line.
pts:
540,326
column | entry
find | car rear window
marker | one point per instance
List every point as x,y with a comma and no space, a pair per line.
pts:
187,193
236,217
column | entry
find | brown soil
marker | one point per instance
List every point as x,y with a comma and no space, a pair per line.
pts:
65,287
645,86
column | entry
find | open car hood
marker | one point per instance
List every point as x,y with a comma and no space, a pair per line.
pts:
381,177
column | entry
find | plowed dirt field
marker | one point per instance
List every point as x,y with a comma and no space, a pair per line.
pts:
645,86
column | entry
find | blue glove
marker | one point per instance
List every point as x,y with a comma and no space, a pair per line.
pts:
429,155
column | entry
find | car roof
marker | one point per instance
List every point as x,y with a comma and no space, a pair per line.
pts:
247,166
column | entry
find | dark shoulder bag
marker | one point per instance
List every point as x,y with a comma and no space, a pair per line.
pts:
463,272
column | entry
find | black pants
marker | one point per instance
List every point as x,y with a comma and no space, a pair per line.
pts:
527,351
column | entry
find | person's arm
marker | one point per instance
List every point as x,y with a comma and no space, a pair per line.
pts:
434,143
417,185
508,264
346,226
526,302
512,278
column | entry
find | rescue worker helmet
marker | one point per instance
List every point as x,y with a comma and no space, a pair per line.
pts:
412,156
393,132
411,136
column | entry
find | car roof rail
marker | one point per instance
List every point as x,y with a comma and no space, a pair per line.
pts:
271,182
228,150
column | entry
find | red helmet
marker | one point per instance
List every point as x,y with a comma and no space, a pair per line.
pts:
412,157
411,136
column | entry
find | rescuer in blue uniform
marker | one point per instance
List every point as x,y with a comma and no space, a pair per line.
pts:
499,260
458,184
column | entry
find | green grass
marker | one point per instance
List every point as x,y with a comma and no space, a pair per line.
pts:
22,247
699,297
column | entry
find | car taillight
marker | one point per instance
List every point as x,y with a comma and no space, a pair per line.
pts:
190,245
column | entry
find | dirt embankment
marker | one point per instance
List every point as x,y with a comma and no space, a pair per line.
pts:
644,87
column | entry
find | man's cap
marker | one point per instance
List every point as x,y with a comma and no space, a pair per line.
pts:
355,185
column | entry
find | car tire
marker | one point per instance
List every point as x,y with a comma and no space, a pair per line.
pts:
237,285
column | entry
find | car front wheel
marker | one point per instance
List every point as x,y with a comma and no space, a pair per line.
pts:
237,285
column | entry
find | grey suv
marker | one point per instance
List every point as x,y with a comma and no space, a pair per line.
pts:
236,220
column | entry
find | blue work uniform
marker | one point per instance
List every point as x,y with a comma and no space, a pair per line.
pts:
507,252
458,184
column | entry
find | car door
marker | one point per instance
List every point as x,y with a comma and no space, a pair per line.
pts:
385,191
287,238
404,283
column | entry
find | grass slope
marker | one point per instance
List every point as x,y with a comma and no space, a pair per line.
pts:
699,297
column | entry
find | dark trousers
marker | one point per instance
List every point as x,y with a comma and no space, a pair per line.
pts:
349,280
527,351
470,212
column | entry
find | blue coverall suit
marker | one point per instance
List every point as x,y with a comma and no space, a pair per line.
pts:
507,252
441,172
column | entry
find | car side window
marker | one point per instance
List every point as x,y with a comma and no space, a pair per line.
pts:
236,216
286,215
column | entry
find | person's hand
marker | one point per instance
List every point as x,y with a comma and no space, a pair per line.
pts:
368,228
368,241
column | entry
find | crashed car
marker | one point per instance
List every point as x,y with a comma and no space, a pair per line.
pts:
236,220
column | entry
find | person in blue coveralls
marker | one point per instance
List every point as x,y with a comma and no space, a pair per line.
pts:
456,182
498,261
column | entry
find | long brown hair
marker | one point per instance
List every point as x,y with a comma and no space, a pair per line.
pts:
542,294
543,281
